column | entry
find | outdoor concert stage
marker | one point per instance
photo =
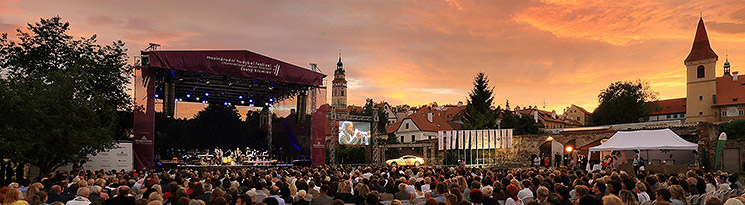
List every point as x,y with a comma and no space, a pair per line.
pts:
210,167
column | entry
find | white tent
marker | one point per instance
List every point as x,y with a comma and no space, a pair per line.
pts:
664,139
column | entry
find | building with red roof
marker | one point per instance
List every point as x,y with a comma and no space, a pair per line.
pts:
669,109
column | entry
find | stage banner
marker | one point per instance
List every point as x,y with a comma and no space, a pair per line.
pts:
318,149
238,63
450,140
144,117
118,158
439,140
473,139
509,138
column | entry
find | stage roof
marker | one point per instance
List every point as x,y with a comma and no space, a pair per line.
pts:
229,76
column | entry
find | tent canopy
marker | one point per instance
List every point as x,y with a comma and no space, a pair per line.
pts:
645,140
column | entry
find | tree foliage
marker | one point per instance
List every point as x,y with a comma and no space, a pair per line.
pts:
479,114
623,102
735,130
521,124
60,95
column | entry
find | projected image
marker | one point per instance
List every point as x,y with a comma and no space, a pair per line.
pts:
354,133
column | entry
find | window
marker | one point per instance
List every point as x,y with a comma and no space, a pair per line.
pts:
700,113
577,118
429,137
724,113
700,98
701,72
413,138
342,93
402,138
714,98
669,116
742,112
734,99
407,125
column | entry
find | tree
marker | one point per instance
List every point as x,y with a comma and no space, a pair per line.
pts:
479,114
623,102
735,130
60,95
217,126
521,125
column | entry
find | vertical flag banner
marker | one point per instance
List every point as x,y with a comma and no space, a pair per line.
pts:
439,140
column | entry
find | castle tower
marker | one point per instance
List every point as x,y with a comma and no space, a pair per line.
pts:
701,78
339,87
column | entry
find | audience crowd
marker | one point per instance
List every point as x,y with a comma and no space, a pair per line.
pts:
374,185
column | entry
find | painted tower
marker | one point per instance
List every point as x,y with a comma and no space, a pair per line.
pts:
339,87
701,78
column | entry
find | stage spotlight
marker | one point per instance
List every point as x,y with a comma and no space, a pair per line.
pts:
206,94
226,103
197,98
569,149
240,97
243,102
204,102
156,95
188,95
271,99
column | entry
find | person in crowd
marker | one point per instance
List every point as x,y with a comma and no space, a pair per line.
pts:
402,194
81,198
512,198
525,192
13,197
713,200
541,194
322,198
628,197
612,200
663,194
123,197
56,194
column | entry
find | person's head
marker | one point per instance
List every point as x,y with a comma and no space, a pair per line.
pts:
441,188
84,192
12,195
56,189
512,191
141,202
197,202
451,199
554,199
612,200
733,201
402,187
627,197
220,201
476,196
590,200
713,200
124,190
663,194
371,199
155,196
598,188
325,188
581,190
640,187
154,203
677,192
542,193
183,201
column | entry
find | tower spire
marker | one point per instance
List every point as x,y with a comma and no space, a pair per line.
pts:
701,48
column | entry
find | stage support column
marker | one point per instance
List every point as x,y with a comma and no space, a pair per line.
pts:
266,120
144,118
376,152
169,99
334,136
302,105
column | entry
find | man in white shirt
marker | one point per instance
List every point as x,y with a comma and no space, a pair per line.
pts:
526,192
82,198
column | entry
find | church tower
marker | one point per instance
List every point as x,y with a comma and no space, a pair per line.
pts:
339,87
701,78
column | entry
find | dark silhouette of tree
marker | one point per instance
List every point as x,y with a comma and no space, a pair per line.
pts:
479,114
623,102
60,95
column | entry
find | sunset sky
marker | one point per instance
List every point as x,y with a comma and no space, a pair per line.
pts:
416,52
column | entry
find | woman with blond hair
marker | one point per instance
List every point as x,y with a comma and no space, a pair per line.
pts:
628,198
612,200
679,197
12,197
